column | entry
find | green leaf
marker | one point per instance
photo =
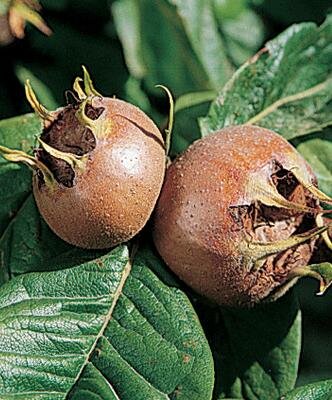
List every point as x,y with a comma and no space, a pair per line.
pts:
188,108
229,9
256,351
27,243
186,128
317,150
195,60
20,132
285,87
135,94
314,391
4,6
193,99
242,29
107,328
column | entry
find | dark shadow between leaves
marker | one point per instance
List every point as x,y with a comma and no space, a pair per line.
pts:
241,338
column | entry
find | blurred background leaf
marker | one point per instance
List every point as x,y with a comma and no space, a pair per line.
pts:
284,12
256,351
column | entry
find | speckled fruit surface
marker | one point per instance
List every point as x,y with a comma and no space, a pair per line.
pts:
215,207
110,199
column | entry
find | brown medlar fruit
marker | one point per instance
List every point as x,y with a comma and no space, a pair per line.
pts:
237,216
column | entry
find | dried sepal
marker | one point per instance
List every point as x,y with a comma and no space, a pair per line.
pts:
88,85
307,184
43,113
257,251
82,116
19,156
78,89
264,191
22,11
75,161
325,235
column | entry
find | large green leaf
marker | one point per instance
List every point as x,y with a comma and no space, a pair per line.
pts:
106,329
314,391
286,87
256,351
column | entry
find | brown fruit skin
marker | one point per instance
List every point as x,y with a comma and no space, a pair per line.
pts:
194,230
113,197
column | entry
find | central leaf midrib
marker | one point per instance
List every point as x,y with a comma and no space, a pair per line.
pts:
312,91
117,293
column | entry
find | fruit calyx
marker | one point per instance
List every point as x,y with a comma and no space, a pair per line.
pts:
281,200
69,134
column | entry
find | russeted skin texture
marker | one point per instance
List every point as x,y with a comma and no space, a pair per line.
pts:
205,213
113,196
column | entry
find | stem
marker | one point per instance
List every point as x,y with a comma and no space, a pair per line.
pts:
169,129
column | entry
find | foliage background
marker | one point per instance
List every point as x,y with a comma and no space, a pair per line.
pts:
85,33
